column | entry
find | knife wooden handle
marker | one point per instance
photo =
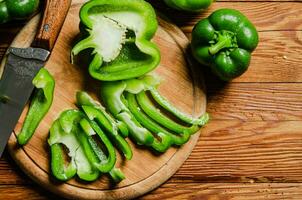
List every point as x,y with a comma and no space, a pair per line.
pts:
52,21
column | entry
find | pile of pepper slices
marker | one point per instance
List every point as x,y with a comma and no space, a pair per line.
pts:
119,40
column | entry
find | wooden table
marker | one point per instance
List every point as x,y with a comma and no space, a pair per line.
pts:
252,148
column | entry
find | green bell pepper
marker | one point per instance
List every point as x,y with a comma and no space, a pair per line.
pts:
94,153
98,116
189,5
201,121
224,41
152,126
119,34
111,94
79,164
148,107
17,9
70,120
112,97
39,106
83,99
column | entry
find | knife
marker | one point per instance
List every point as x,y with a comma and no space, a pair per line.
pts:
24,63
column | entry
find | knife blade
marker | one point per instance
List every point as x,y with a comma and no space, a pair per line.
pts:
23,64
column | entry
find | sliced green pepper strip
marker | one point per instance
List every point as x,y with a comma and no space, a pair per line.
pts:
96,112
69,121
167,139
120,33
57,158
147,122
111,93
84,99
162,101
84,169
40,104
97,154
97,115
117,175
71,118
157,116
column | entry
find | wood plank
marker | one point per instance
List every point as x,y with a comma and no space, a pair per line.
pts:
265,15
225,191
238,151
10,173
184,191
21,192
255,101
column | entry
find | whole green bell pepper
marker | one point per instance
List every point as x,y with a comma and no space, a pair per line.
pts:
17,9
189,5
39,106
119,34
224,41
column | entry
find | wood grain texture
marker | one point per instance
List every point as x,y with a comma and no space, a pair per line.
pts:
184,191
255,136
238,151
145,171
225,191
255,101
267,16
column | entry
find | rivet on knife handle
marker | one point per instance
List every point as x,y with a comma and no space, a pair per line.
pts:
51,23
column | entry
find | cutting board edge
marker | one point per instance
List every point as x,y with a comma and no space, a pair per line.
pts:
72,192
128,192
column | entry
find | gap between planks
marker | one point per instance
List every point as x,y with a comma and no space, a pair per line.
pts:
200,191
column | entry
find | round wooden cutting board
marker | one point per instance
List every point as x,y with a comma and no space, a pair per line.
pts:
145,171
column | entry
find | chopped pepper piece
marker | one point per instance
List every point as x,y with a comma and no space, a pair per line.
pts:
94,153
83,99
39,106
165,140
111,94
79,164
224,41
180,115
70,119
148,107
189,5
147,122
119,34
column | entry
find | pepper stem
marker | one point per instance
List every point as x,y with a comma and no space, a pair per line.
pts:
224,39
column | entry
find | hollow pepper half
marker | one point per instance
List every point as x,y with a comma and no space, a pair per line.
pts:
189,5
119,32
17,9
224,41
39,106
